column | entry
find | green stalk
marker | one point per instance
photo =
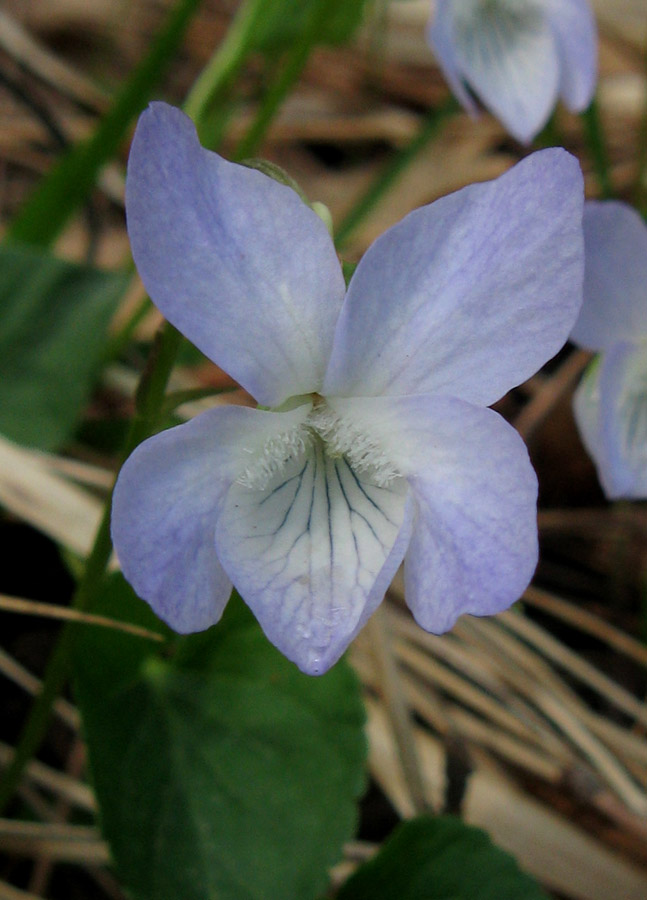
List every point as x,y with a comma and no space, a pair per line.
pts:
227,61
550,135
279,88
598,149
191,395
150,402
395,167
118,341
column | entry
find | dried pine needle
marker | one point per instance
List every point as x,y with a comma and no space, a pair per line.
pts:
52,611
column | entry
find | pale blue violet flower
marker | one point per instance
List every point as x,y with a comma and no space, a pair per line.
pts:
517,57
375,444
611,401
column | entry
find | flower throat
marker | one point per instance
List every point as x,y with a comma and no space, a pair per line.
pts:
339,437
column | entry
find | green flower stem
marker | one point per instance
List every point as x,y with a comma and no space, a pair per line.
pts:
598,149
227,61
118,341
150,402
550,135
191,395
431,126
287,76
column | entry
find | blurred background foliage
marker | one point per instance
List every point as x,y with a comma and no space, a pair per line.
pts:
531,726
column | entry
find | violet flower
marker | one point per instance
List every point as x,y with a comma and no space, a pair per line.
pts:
611,401
517,57
375,444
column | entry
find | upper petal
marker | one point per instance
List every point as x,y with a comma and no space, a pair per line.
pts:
615,276
473,548
237,262
573,25
507,54
313,553
470,295
611,412
166,502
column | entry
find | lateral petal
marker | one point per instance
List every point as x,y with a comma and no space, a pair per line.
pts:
473,548
469,295
166,502
586,409
615,276
611,413
313,553
237,262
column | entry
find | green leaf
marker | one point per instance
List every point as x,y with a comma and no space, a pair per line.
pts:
440,859
55,316
285,21
221,771
70,181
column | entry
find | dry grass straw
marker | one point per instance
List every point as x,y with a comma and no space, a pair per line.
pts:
32,490
53,611
60,841
59,784
562,855
495,684
7,892
14,671
549,392
483,688
32,55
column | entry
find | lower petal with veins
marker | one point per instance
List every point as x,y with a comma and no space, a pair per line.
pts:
313,553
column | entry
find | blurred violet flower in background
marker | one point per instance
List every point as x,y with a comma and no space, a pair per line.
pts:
611,401
377,445
517,57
